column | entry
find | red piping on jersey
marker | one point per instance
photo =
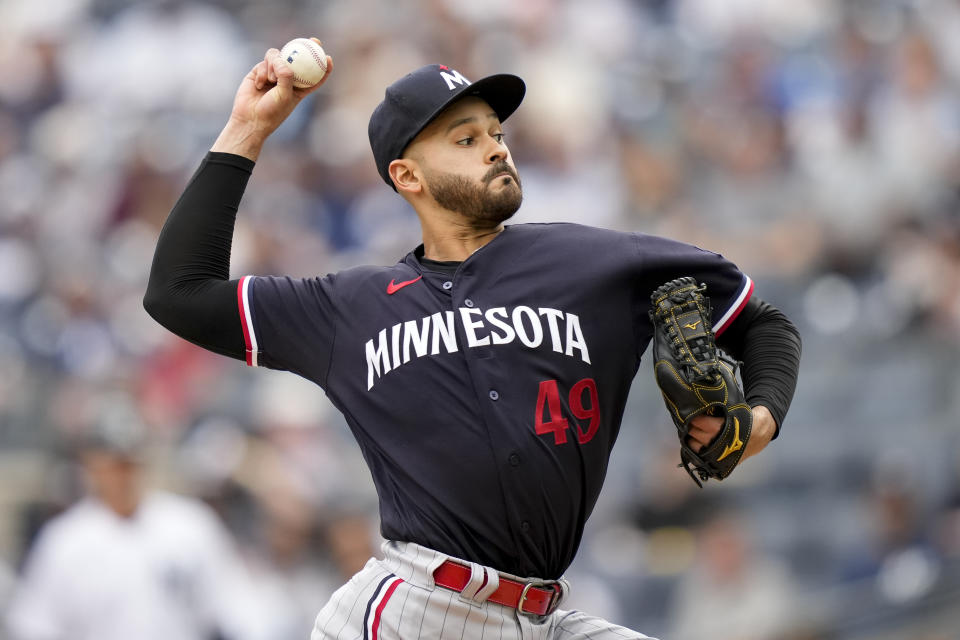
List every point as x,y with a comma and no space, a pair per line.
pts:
736,312
243,321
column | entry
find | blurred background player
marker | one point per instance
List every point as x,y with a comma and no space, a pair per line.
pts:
126,561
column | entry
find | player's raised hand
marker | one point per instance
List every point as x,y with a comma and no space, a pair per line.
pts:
267,95
265,99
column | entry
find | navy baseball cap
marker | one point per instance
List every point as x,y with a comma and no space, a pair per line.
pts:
417,98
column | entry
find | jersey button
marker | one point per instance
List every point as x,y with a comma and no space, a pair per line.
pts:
494,395
468,302
524,526
447,285
514,460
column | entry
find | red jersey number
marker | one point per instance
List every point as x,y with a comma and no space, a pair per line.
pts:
549,416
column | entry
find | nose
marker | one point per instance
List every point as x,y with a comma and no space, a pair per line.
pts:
497,153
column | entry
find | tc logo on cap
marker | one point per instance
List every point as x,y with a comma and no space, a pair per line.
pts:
453,77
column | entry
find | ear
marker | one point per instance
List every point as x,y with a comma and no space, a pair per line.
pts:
406,175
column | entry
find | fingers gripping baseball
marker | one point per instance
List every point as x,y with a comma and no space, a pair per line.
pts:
275,78
266,96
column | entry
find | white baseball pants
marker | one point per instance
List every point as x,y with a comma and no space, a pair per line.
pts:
396,598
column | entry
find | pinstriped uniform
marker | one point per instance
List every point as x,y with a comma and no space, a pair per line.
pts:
396,598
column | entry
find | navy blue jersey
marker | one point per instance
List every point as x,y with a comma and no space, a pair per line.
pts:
487,403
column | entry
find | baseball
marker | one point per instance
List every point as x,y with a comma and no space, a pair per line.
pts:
307,59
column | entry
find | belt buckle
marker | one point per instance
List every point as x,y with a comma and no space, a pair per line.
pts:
554,587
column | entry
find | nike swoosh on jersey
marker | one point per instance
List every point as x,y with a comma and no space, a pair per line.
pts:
393,287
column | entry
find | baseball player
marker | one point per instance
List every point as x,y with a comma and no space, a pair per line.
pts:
129,562
484,375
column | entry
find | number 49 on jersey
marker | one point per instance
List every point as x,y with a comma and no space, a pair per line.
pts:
549,416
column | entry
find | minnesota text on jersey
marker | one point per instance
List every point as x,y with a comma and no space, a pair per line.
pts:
418,338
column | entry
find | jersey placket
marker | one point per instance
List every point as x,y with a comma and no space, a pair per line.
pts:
468,300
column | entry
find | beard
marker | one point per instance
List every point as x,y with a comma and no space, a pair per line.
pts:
477,202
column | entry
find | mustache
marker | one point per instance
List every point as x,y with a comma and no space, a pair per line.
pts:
497,169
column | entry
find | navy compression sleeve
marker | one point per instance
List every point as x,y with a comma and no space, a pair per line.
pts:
188,291
768,345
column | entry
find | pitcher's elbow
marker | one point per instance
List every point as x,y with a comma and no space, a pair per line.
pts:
154,303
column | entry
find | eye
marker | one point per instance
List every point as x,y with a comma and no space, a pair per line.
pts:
498,137
465,142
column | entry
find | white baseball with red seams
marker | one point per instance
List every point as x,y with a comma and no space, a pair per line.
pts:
307,59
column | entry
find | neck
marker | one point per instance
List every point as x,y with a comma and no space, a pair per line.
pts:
454,241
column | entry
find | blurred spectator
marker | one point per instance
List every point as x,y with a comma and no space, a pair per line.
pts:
897,555
126,561
915,123
296,565
735,591
948,529
299,554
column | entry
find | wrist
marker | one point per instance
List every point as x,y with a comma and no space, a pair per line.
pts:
241,139
762,432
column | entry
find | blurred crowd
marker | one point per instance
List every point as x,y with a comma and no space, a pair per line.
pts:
814,142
